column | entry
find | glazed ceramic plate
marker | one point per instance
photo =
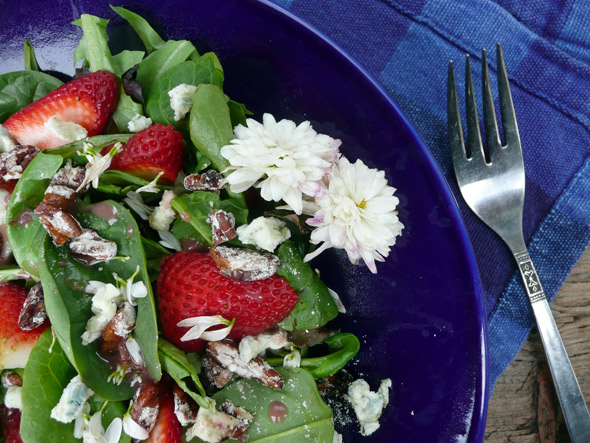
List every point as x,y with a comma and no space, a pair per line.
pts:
420,319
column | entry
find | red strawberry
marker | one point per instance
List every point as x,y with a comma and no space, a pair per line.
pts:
10,419
15,344
156,149
190,285
167,428
88,101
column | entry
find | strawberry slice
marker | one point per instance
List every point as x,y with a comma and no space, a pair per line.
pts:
167,428
10,419
88,101
190,285
15,344
155,149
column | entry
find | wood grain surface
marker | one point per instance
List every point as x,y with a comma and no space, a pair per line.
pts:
523,407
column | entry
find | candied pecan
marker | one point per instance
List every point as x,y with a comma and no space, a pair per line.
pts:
10,379
243,416
60,225
15,161
60,196
244,264
146,405
226,354
222,225
210,180
185,407
70,176
33,313
216,374
118,328
91,248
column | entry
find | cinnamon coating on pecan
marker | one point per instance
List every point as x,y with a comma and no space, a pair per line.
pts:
146,405
210,180
33,313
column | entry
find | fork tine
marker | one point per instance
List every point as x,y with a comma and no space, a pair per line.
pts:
489,112
454,120
473,133
506,106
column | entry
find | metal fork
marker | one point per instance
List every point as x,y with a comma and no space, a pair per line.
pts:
494,189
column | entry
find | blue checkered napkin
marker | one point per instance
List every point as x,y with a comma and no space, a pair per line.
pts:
406,45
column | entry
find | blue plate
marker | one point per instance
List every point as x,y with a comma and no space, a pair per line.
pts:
421,318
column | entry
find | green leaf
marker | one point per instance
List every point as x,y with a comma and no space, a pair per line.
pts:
170,54
21,88
46,375
176,363
25,232
125,60
308,417
30,59
197,206
315,306
210,123
150,38
93,46
98,142
126,109
341,349
206,69
238,113
68,306
11,272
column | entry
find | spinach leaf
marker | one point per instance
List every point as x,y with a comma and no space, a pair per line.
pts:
195,208
150,38
341,347
315,306
168,55
125,60
206,69
11,272
308,417
210,123
238,113
21,88
98,142
68,306
176,363
46,375
25,232
30,59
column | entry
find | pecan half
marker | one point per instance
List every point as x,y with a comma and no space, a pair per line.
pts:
91,248
216,374
10,379
118,328
210,180
33,313
60,225
243,416
226,354
222,225
15,161
146,405
185,407
244,264
70,176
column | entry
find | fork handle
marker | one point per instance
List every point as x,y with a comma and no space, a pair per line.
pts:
568,390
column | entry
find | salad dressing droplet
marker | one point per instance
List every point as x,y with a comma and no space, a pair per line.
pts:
129,231
104,210
185,216
191,244
277,411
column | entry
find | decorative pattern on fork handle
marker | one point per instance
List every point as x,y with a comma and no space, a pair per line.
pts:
529,276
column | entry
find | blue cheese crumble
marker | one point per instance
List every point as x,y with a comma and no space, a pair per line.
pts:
264,232
368,405
67,131
139,123
72,401
181,100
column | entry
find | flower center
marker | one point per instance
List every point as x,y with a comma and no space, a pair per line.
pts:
363,204
346,211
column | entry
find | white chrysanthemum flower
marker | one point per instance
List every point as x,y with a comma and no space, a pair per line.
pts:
356,214
283,159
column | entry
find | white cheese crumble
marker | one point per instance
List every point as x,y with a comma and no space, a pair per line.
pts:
181,100
4,199
67,131
250,346
105,302
163,215
264,232
368,405
337,438
13,397
139,123
7,141
72,401
211,425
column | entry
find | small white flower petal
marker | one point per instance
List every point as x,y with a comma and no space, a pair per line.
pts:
132,429
292,360
113,433
151,186
337,301
135,202
199,325
169,240
134,350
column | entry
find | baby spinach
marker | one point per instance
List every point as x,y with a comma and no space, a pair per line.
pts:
178,366
68,306
238,113
206,69
125,60
315,306
168,55
45,377
25,232
21,88
308,417
150,38
11,272
30,59
195,208
341,349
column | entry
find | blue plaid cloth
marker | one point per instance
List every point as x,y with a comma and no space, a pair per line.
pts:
407,44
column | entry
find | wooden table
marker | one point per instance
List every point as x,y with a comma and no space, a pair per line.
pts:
523,407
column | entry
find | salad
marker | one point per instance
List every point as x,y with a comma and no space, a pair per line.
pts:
157,251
